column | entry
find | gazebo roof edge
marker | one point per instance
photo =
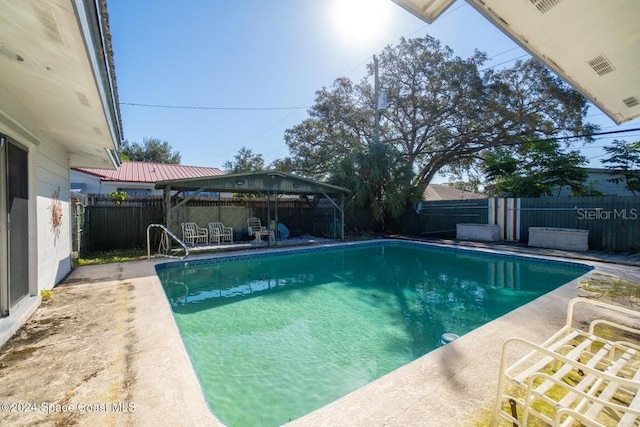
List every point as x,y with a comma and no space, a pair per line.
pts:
192,184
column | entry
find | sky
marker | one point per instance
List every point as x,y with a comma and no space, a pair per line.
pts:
249,69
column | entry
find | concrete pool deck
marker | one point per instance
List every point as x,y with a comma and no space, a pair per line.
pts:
108,337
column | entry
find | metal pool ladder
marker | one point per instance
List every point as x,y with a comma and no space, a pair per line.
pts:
164,247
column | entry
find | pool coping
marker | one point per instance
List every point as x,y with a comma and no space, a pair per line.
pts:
256,254
461,376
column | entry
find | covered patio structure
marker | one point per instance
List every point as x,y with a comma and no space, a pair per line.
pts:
269,184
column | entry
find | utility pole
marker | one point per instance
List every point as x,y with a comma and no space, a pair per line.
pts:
377,101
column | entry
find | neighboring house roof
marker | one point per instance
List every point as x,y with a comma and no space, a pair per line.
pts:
143,172
444,192
603,171
593,45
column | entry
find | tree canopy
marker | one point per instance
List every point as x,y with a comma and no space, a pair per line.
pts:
539,168
444,111
152,150
244,161
380,179
624,159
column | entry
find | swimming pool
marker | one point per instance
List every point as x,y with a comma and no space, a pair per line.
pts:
274,336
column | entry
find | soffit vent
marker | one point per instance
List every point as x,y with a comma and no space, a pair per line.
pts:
631,102
545,6
48,22
84,99
601,65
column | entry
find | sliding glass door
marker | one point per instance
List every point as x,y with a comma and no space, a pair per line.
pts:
17,215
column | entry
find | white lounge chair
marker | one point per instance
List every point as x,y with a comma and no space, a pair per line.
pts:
590,378
219,233
256,229
192,234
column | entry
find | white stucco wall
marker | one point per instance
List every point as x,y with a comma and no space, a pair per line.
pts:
92,185
600,180
144,189
91,182
53,245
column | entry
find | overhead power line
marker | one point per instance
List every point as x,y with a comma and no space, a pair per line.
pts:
505,62
191,107
556,138
301,107
587,135
306,104
502,53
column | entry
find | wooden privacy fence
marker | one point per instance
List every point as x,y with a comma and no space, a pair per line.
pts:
439,218
118,227
613,221
109,226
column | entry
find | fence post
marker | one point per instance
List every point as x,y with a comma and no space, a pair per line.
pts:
505,212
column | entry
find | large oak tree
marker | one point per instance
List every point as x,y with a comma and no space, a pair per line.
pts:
151,150
444,111
244,161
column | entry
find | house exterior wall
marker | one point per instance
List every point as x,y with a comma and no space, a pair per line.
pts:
52,186
92,184
47,133
49,259
599,181
49,247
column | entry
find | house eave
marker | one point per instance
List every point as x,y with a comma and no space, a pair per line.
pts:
590,44
58,81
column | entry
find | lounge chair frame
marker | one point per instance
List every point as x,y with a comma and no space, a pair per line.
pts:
256,229
575,376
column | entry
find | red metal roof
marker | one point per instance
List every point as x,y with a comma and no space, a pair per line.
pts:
150,172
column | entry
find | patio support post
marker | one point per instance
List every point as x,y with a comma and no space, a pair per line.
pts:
167,211
167,205
275,232
342,214
341,209
268,216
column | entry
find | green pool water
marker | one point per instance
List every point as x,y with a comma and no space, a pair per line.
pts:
273,338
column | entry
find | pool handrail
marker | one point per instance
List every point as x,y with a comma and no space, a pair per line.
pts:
164,240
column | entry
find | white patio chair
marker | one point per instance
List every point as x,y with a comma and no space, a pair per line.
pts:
220,233
256,229
192,234
215,235
592,378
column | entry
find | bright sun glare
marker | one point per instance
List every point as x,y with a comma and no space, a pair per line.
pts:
359,22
